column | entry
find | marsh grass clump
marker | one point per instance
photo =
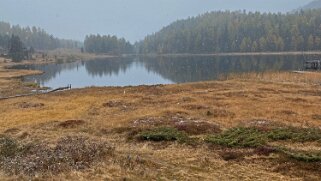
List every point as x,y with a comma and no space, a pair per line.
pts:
163,134
69,153
238,137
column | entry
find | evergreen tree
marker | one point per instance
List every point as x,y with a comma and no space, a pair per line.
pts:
16,49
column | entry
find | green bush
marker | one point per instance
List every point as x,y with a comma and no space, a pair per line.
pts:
252,137
239,137
304,156
295,134
163,134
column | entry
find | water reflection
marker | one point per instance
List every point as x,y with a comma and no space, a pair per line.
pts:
157,70
192,69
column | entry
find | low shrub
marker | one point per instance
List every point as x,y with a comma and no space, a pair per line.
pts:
254,137
238,137
295,134
163,134
258,139
304,156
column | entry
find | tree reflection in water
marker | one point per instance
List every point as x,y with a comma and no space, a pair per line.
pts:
156,70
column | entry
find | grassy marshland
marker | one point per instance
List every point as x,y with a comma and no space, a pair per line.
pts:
250,127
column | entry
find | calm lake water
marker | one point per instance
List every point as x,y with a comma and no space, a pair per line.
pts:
157,70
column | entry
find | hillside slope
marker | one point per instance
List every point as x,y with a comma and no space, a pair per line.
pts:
238,31
132,20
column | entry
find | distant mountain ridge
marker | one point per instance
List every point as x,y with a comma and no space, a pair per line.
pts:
316,4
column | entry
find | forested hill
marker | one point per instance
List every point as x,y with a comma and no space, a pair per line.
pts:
316,4
238,32
33,37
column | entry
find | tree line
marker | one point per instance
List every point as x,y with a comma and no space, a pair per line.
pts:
34,37
15,48
4,41
238,31
107,44
18,51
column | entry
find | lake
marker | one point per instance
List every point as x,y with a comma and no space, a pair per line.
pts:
157,70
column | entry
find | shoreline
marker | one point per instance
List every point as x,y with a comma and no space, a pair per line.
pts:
14,76
235,54
11,79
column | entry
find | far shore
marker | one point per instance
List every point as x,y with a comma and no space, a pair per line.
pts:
235,54
12,84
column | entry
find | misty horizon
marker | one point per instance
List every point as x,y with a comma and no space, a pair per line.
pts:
132,20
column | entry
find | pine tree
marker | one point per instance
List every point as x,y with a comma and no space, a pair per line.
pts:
16,49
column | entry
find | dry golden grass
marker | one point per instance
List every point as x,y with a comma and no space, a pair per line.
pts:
71,55
285,98
10,83
282,77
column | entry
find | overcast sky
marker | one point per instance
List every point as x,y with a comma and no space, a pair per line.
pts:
131,19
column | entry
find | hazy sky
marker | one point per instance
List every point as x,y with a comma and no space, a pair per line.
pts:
132,19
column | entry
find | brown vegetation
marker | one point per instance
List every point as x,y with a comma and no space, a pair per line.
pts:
110,133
